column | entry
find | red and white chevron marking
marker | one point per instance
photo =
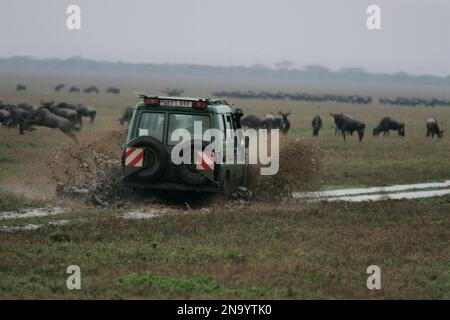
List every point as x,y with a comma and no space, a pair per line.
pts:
205,161
134,157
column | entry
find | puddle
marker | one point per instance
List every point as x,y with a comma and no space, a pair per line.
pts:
360,191
31,227
145,214
31,213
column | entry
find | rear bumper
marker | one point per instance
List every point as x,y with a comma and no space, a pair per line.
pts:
179,186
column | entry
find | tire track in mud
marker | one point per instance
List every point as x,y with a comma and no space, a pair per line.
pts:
378,193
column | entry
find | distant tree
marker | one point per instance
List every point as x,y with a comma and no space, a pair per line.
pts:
317,69
284,65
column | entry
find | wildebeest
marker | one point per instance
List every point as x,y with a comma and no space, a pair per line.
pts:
316,125
285,123
88,111
253,121
126,116
43,117
21,87
82,111
387,124
238,114
59,87
5,117
433,128
68,114
74,89
113,90
91,89
346,124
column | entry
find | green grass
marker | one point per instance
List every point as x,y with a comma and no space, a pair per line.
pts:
284,251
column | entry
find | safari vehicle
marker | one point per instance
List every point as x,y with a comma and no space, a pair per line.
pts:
146,157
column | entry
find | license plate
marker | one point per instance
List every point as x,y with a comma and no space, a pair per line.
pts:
176,103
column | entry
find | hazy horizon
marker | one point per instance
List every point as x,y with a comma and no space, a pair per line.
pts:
413,38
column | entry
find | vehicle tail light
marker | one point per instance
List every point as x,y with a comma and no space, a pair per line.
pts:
152,101
199,104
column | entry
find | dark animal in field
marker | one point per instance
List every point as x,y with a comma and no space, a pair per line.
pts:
285,123
386,124
5,117
348,125
433,128
173,92
59,87
16,114
127,114
316,124
113,90
74,89
43,117
82,111
88,111
238,114
91,89
338,120
68,114
253,122
21,87
67,106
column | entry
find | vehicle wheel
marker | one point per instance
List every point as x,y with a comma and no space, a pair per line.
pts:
155,158
188,172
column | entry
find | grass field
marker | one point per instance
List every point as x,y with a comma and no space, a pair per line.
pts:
276,250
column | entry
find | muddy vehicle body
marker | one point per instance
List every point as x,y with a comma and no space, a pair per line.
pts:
146,155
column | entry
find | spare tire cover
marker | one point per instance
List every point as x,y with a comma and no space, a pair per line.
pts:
156,158
188,172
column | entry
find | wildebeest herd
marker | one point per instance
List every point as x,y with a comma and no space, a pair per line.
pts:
344,125
351,99
63,116
73,89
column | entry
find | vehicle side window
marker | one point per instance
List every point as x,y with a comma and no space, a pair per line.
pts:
228,122
151,124
222,124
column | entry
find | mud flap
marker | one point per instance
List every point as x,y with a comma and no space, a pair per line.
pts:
205,164
132,160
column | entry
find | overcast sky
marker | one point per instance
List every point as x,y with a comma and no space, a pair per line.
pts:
414,35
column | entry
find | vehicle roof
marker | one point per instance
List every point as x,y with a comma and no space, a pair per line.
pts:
213,106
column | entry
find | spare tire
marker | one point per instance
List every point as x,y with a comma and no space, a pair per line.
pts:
188,171
156,158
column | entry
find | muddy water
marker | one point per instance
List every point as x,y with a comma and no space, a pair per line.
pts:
379,193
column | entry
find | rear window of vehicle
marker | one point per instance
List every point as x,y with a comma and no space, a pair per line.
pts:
151,124
186,121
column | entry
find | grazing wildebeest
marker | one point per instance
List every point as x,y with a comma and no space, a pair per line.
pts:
68,114
59,87
91,89
21,87
347,124
338,119
316,125
43,117
74,89
254,122
113,90
387,124
433,128
126,116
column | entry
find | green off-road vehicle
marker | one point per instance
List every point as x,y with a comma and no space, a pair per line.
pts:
147,160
